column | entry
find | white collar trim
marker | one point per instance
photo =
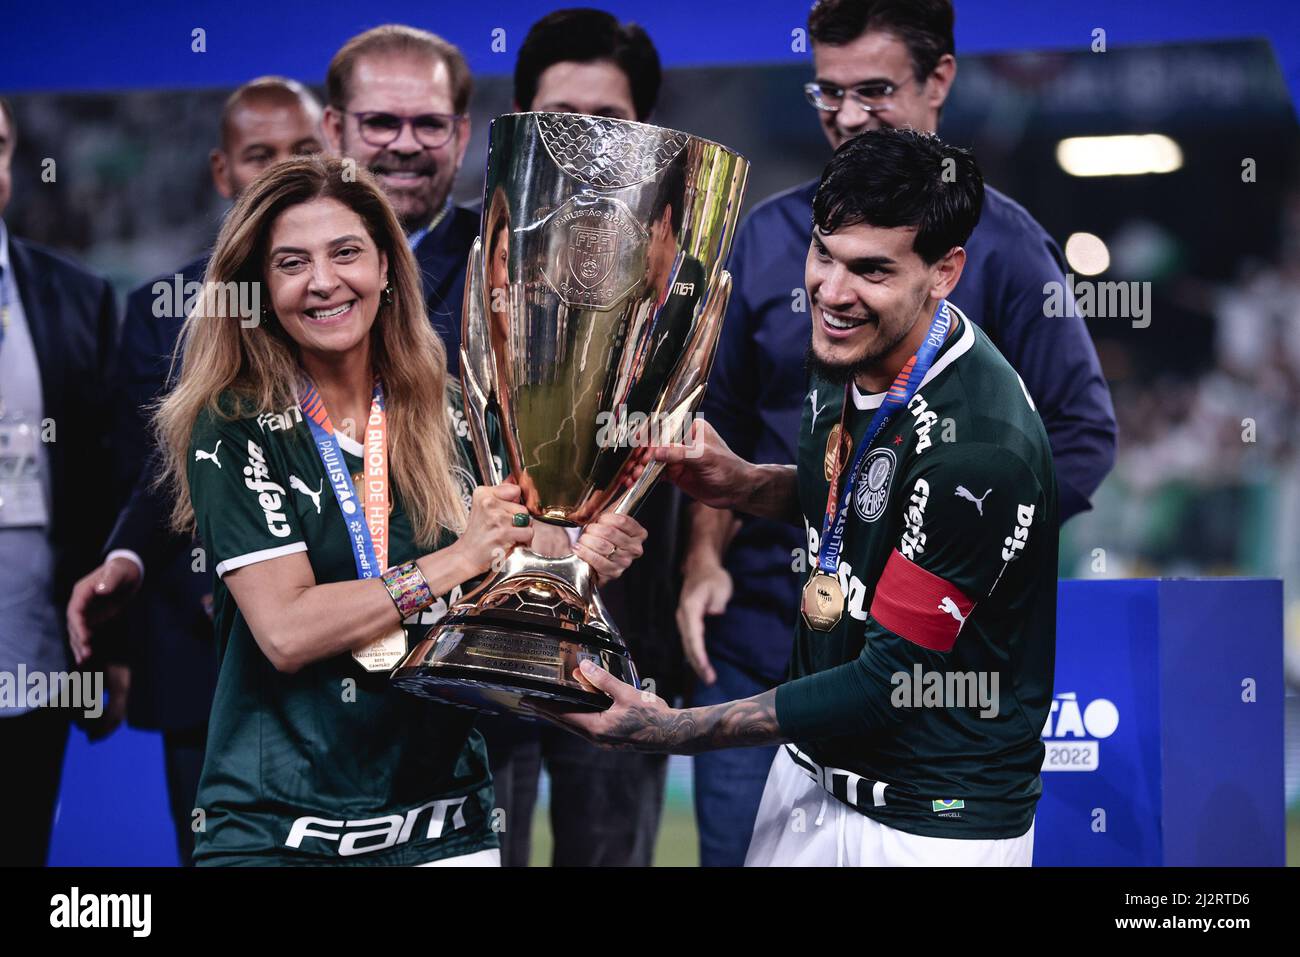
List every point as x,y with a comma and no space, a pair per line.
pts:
863,401
350,445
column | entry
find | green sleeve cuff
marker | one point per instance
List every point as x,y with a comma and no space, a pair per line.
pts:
830,704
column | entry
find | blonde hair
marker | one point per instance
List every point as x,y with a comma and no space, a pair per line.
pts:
259,366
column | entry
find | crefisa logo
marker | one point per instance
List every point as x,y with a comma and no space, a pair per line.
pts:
1073,736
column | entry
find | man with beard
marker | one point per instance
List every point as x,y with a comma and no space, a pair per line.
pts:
879,64
165,673
922,667
398,106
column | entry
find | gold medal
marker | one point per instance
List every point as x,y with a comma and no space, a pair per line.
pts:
823,602
839,444
384,653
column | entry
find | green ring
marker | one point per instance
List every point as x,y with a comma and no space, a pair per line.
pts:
520,519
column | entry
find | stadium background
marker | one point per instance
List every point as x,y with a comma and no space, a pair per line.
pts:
128,111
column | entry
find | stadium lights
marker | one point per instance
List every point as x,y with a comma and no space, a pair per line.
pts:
1087,254
1127,155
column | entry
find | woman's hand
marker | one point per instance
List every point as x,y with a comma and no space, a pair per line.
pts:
491,531
610,544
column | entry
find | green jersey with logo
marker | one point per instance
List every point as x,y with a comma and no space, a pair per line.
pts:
923,706
329,765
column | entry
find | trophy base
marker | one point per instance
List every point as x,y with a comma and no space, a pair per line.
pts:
473,661
519,636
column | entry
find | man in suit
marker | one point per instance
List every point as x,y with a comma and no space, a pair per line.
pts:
58,327
169,650
399,106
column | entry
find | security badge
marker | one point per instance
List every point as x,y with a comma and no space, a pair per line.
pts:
22,495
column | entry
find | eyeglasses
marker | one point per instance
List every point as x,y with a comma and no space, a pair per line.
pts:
870,97
431,130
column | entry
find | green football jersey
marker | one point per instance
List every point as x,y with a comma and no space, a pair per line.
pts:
329,765
923,706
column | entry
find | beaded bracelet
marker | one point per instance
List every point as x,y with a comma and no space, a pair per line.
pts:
408,588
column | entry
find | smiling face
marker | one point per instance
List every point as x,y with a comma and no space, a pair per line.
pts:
869,291
325,275
416,178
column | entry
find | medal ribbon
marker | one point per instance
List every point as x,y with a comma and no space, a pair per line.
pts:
906,383
367,522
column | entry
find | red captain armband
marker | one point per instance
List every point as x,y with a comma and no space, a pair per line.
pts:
919,605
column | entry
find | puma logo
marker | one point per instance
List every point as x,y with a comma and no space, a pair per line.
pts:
949,607
964,492
812,400
200,455
299,485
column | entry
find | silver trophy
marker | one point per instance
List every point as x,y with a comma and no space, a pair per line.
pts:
593,303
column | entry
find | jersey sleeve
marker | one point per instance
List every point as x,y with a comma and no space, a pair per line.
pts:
969,513
241,501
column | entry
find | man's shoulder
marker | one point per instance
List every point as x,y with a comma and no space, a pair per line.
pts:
463,229
465,218
452,238
1004,222
190,272
50,263
793,206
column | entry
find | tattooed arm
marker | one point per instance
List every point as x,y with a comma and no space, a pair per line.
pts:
640,721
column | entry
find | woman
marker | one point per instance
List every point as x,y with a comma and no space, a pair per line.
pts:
311,757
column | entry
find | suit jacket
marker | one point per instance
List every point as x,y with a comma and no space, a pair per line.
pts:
72,316
442,256
169,644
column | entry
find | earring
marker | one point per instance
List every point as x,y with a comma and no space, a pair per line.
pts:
386,297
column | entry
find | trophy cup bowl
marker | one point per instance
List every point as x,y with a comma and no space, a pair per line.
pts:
593,302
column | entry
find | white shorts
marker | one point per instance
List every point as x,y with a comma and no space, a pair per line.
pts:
800,824
489,858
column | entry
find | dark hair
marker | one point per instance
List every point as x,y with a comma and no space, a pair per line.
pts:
276,90
925,26
890,178
8,112
394,39
584,35
672,193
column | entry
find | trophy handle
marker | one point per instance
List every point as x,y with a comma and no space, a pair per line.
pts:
476,379
685,390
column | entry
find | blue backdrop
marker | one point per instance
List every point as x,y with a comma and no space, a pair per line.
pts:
85,46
